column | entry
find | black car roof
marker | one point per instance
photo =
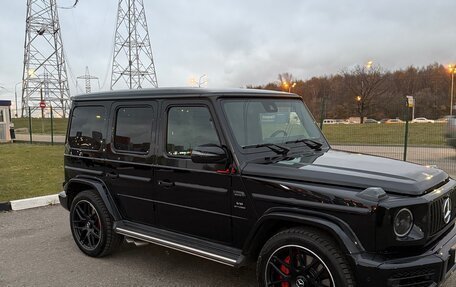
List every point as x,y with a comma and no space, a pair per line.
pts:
178,93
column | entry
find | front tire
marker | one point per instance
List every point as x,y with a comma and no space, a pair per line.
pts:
300,257
92,225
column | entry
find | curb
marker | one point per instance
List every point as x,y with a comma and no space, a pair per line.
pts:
27,203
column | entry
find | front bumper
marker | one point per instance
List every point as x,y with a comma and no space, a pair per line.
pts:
431,268
63,198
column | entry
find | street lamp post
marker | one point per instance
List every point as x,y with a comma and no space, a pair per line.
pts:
292,86
15,97
288,86
358,100
452,70
201,81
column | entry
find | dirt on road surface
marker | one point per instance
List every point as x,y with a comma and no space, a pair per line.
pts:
36,249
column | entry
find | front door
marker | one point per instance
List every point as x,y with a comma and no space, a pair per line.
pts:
192,198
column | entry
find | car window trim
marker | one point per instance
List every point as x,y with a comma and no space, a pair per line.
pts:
172,105
105,131
260,150
116,108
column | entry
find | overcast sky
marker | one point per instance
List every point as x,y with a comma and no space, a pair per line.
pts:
241,42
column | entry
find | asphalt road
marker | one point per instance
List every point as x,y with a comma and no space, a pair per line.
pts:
36,249
40,138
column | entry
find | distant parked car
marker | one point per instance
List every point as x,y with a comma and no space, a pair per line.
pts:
450,132
341,121
382,121
371,121
394,121
329,122
443,119
423,120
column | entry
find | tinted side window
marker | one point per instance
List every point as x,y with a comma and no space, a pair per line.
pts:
133,129
189,127
88,125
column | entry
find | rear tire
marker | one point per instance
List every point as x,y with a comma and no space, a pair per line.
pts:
303,257
92,225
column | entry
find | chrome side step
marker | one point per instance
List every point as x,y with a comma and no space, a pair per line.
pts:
177,246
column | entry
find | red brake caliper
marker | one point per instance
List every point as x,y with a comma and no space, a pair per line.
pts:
286,271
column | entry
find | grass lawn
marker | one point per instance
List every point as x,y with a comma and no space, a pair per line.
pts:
386,134
60,125
30,170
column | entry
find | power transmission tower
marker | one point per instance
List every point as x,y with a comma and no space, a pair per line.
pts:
87,77
44,60
133,64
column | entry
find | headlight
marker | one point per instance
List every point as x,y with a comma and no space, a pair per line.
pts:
403,222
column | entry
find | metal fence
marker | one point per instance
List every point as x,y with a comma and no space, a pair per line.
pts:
45,129
423,143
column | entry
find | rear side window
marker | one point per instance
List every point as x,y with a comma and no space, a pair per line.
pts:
88,125
189,127
133,129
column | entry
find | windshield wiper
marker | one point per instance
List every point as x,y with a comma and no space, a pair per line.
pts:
278,149
308,142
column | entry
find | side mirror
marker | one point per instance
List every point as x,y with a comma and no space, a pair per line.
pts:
209,153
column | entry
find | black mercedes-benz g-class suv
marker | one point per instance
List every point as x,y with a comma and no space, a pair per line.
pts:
238,176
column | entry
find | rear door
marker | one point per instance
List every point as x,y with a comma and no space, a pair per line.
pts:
130,157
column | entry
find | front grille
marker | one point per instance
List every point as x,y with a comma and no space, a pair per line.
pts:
436,212
415,278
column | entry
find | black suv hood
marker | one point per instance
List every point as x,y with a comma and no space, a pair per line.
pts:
352,169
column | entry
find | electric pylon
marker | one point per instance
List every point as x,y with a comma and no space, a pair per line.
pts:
87,77
133,64
44,60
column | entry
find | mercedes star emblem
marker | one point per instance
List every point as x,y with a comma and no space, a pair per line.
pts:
447,210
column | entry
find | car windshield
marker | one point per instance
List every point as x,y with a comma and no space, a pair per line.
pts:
256,122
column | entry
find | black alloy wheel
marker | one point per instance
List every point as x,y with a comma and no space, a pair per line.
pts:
303,257
92,225
86,225
297,266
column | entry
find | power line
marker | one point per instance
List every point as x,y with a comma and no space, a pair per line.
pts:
69,7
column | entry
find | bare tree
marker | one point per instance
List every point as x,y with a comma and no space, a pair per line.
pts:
365,85
381,93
